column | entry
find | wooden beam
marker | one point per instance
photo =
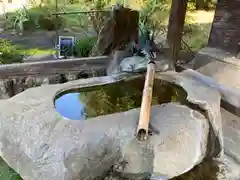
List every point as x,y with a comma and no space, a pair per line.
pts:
45,68
79,12
175,27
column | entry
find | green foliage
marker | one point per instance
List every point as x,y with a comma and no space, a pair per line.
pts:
191,5
6,173
9,53
43,18
153,16
196,35
36,17
21,16
207,4
84,47
100,4
151,6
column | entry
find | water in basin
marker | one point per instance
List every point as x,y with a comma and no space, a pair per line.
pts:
80,104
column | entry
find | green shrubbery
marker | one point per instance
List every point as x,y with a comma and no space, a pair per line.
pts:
37,17
43,18
7,173
9,53
84,47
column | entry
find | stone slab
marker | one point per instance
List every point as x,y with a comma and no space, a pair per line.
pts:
40,144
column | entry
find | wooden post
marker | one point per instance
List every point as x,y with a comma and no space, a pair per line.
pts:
175,27
56,28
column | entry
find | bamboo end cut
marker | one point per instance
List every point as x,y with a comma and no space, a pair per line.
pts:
142,134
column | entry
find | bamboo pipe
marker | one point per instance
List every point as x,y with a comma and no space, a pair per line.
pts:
145,111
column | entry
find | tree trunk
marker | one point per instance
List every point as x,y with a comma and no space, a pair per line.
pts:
119,30
175,27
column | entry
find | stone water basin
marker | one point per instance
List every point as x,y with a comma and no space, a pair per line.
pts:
41,144
83,103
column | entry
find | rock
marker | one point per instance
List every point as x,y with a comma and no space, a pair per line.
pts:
40,144
231,132
11,87
219,70
230,163
229,169
228,95
135,64
219,65
4,89
114,65
163,65
211,110
71,76
222,69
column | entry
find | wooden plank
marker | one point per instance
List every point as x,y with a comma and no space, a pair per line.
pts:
80,12
43,68
175,27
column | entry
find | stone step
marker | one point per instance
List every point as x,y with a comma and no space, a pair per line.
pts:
232,149
231,133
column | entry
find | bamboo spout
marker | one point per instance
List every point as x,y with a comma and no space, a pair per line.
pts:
144,118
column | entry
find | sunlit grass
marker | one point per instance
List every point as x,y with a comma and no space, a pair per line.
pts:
36,51
197,29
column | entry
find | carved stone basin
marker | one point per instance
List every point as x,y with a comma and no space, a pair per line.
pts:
40,144
89,102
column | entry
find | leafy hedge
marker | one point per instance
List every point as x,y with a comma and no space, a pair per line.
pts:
9,53
84,47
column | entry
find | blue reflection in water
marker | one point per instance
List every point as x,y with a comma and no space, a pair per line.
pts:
70,106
